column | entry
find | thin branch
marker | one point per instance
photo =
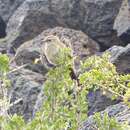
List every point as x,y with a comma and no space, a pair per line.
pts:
18,68
16,102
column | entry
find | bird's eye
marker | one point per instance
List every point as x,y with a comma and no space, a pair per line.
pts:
84,45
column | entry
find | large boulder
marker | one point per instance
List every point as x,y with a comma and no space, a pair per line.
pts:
25,85
121,58
82,45
8,7
120,111
99,16
94,17
122,22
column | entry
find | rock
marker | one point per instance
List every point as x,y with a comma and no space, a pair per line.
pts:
27,85
120,111
99,16
114,50
122,22
121,59
98,102
95,18
8,7
82,45
27,53
2,28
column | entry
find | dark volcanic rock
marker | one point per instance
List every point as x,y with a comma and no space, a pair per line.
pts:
27,85
8,7
98,102
98,21
122,59
122,22
94,17
82,45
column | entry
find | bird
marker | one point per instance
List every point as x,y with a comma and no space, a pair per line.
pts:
50,49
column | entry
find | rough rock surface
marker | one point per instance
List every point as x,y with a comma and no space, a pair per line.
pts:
98,102
82,45
27,85
8,7
114,50
122,22
121,59
94,17
98,21
120,111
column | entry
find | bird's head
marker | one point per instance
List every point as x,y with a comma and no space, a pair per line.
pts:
51,39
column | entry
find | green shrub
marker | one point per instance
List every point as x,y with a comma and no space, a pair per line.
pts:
65,104
101,74
105,122
4,63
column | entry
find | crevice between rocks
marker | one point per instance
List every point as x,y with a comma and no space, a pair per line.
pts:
2,28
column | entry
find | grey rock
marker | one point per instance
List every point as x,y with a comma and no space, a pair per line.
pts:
82,46
121,59
115,49
120,111
94,17
8,7
25,85
98,102
122,22
99,19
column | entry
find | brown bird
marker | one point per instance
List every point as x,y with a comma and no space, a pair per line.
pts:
50,50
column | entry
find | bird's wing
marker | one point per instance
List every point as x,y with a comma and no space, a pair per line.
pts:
45,62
